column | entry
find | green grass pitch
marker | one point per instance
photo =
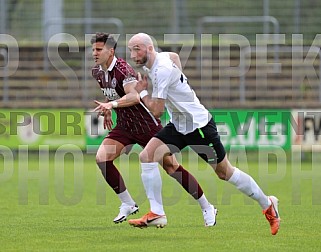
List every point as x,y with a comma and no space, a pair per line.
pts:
57,203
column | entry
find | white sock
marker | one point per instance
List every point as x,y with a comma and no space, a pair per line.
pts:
203,202
126,198
153,186
248,186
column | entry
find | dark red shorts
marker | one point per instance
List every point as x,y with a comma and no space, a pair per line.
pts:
129,139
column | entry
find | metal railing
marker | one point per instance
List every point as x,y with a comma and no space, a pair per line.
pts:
3,16
4,54
237,19
286,49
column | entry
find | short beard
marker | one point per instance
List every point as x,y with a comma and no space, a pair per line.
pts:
143,62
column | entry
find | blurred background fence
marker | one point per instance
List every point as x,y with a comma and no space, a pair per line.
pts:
60,76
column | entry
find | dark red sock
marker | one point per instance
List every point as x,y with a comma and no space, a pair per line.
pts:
112,176
188,181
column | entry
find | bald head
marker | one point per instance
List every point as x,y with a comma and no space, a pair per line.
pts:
142,50
141,38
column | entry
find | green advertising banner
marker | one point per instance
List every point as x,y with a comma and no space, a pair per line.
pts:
53,128
250,128
254,128
76,127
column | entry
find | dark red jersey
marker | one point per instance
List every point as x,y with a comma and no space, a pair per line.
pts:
134,119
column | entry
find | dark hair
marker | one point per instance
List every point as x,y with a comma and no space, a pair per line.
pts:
106,38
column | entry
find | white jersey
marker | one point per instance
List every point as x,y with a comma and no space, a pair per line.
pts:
169,83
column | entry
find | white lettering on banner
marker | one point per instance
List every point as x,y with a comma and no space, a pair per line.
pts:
257,134
275,139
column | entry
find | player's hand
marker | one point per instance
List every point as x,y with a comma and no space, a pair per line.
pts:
103,110
103,107
142,83
108,122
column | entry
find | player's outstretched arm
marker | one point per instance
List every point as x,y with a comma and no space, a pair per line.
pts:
131,98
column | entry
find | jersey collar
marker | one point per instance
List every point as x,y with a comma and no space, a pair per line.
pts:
113,63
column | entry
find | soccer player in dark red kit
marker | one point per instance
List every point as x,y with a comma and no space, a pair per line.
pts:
135,125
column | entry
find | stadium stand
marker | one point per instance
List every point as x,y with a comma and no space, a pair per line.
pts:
71,85
67,81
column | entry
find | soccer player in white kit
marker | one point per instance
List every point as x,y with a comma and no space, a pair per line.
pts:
190,125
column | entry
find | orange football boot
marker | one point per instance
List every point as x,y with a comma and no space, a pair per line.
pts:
149,219
272,215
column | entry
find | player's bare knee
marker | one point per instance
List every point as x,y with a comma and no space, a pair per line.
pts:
144,157
224,169
221,171
99,159
103,157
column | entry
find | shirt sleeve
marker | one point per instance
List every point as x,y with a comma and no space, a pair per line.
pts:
129,79
129,75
